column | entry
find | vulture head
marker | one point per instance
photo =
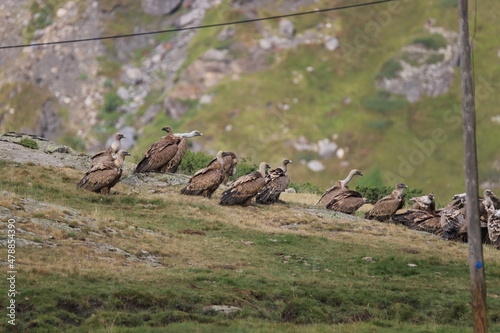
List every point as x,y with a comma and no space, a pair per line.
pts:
356,172
400,186
285,162
119,136
488,193
167,129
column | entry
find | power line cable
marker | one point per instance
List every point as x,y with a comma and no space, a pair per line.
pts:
196,27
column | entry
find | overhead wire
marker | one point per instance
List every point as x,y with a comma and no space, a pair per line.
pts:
195,27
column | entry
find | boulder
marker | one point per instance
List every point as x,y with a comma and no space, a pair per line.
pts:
286,28
160,7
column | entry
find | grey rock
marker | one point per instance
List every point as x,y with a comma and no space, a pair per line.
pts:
290,190
123,93
216,55
150,114
193,17
315,165
331,44
221,308
286,28
160,7
132,75
174,108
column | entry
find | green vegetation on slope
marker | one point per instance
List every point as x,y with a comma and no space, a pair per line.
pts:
381,132
353,276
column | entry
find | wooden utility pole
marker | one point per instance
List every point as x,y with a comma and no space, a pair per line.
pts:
476,263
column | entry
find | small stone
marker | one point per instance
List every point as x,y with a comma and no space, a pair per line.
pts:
331,44
221,308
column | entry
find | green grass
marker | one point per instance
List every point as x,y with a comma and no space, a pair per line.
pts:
283,280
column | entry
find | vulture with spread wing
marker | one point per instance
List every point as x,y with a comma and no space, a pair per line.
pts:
160,153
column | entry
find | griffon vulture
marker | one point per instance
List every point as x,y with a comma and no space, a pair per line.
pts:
107,155
490,199
182,146
276,182
243,189
229,168
425,202
421,220
102,177
494,226
453,223
160,153
347,202
385,208
340,185
206,181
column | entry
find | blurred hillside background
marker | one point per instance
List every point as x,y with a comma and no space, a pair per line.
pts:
374,88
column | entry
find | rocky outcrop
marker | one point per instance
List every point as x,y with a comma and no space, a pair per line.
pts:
424,71
160,7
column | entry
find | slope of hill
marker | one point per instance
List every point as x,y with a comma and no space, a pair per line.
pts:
376,88
146,259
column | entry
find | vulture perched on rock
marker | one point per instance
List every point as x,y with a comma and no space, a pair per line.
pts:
385,208
243,189
340,185
347,202
108,154
494,226
207,180
182,147
229,168
102,177
277,181
425,202
160,153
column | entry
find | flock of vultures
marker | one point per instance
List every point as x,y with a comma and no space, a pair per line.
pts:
265,186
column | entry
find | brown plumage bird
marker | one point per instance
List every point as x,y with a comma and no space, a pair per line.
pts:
277,181
182,147
424,202
207,180
108,154
490,199
243,189
102,177
160,153
229,168
453,223
385,208
494,226
421,220
340,185
347,202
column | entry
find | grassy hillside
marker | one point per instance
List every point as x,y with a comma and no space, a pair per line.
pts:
140,261
376,140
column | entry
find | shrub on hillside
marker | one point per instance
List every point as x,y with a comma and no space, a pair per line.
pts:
390,69
244,167
30,143
432,42
306,188
375,193
192,162
383,102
